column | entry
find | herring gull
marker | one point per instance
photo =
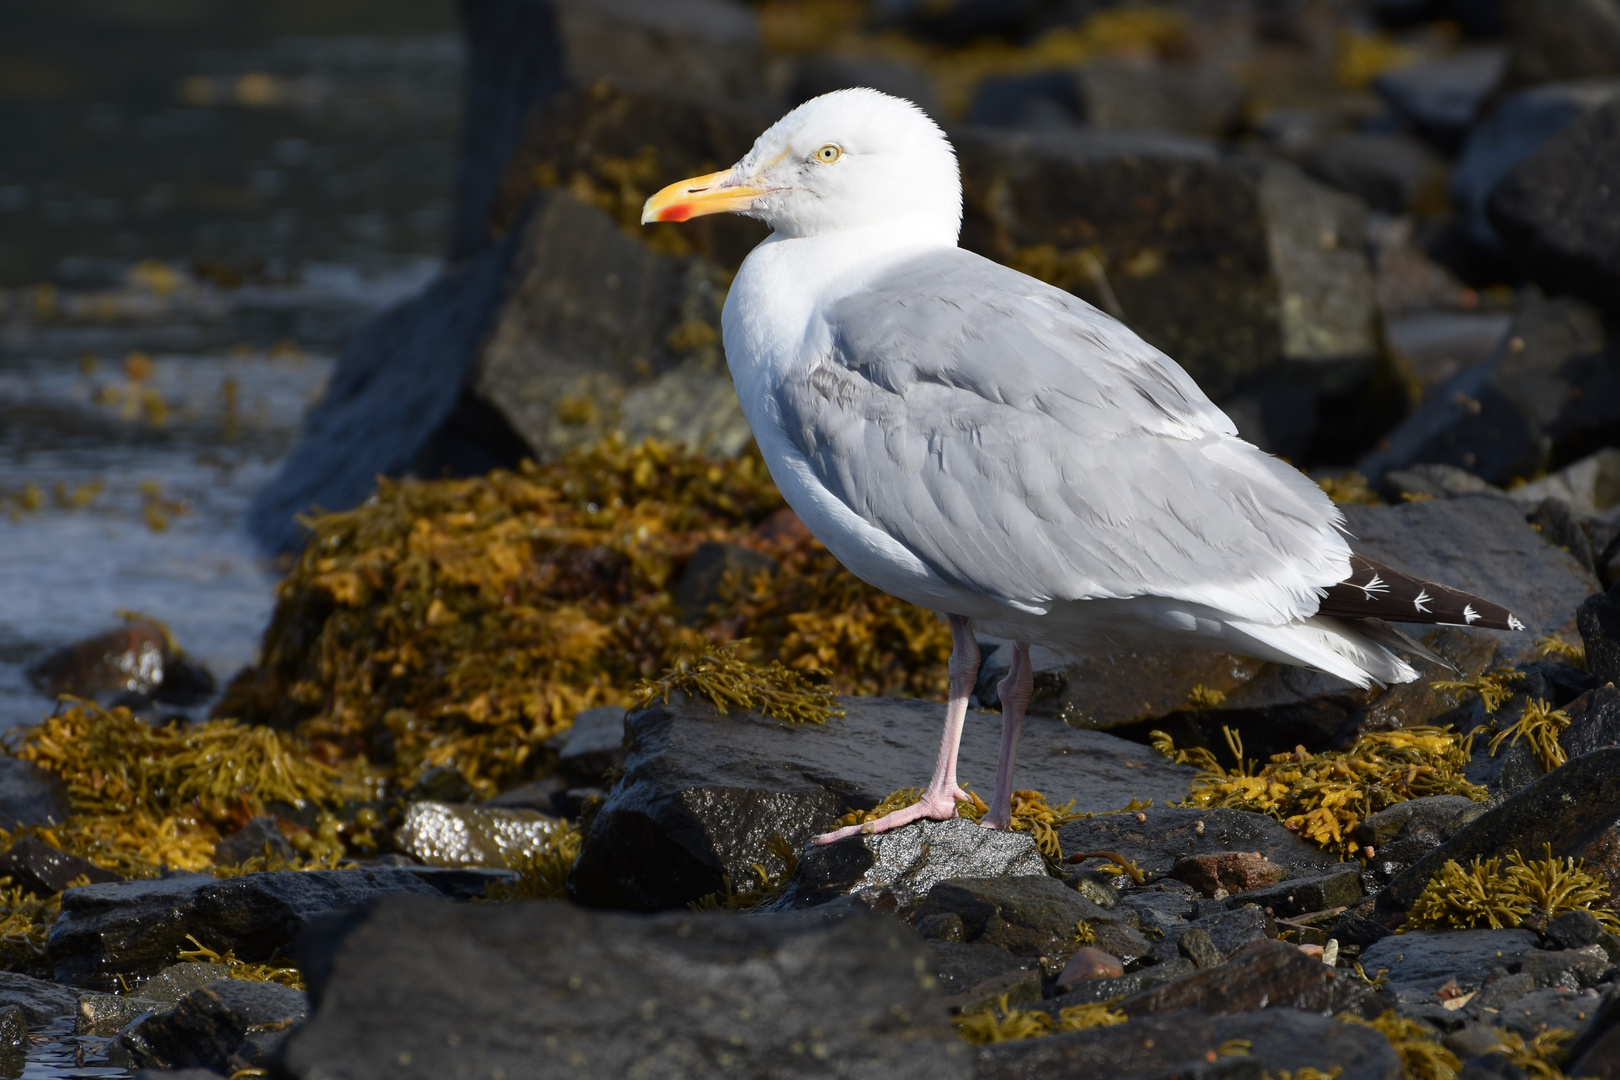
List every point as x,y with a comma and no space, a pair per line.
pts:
977,442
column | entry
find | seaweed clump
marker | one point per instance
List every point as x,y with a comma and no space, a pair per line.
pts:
1422,1055
730,682
1540,726
242,969
543,875
1322,797
1003,1023
1485,894
467,621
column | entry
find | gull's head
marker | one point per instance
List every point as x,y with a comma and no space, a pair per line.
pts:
845,160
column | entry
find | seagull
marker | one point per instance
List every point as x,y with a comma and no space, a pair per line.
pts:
985,445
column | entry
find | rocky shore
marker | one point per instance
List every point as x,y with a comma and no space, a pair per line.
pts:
524,781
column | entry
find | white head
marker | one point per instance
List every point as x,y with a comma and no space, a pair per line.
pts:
845,160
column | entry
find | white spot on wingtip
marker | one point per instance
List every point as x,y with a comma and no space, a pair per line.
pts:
1470,615
1375,584
1420,599
1514,623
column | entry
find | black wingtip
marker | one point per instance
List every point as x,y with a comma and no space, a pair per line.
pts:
1375,591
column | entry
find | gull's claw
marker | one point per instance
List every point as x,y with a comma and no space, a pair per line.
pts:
929,807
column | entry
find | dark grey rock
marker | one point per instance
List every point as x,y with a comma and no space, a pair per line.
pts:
1434,480
136,927
1303,895
1391,172
1559,525
30,795
1178,1044
1497,418
1579,928
976,976
703,794
1035,917
1502,991
1573,809
1091,991
1441,97
1197,946
261,836
418,989
1598,619
107,1014
229,1025
513,63
13,1030
594,744
1563,39
698,48
42,1002
541,795
1570,969
1270,974
45,870
1422,961
1186,98
1550,1008
1513,130
1596,1049
1402,834
1166,835
896,869
1556,211
177,980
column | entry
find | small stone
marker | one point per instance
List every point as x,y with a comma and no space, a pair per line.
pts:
177,980
1579,928
249,842
13,1030
106,1014
42,1002
1033,916
1234,872
134,662
1571,969
229,1025
594,744
1302,896
1089,963
45,870
1197,946
443,834
943,926
442,783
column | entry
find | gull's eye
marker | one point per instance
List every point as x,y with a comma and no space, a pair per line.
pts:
829,154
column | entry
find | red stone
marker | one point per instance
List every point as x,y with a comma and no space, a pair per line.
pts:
1089,963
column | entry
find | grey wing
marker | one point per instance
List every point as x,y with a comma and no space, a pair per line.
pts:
1027,447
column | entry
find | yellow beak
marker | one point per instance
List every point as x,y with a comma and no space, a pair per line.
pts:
698,196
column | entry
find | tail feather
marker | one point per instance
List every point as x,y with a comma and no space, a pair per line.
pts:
1376,591
1327,644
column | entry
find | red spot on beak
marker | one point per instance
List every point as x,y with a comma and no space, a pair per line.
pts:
678,212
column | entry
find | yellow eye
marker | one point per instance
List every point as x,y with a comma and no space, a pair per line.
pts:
829,154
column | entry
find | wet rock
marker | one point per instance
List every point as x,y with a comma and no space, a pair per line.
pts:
229,1025
1394,173
1089,963
44,870
440,834
135,663
1181,1044
1302,896
1598,619
963,967
41,1002
700,48
1197,946
177,980
260,837
1165,835
136,927
1220,263
1518,125
1596,1049
704,794
1573,808
1563,39
1230,872
1228,931
1555,212
593,745
710,994
894,870
442,783
1035,917
513,62
699,583
106,1014
30,795
1578,929
1570,969
1421,962
1496,419
13,1030
1402,834
1550,1008
1265,975
1442,96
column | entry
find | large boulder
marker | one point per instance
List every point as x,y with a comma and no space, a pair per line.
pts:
704,794
420,989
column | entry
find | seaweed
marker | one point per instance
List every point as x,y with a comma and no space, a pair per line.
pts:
1539,1056
1351,487
768,885
241,969
1540,726
726,680
1322,797
1553,645
1030,813
1485,894
25,924
543,875
1002,1023
1492,687
1421,1053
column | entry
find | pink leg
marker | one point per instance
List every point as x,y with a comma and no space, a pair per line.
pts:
1014,690
938,803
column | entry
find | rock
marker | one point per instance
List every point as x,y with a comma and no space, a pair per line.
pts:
1596,1049
1578,929
513,62
1573,808
177,1074
973,975
42,1003
1420,962
442,783
1497,419
229,1025
106,1014
1228,931
698,48
1442,96
1570,969
1180,1044
1512,131
1266,975
1230,872
894,870
419,990
1589,486
1035,917
1166,835
1220,263
1500,991
1407,831
1434,345
260,837
1394,173
1556,521
1089,963
13,1030
1115,93
594,744
44,870
704,794
177,980
1598,619
440,834
136,927
30,795
1039,101
1197,946
134,664
1563,39
699,583
1302,896
541,795
1556,210
1434,480
1540,1010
